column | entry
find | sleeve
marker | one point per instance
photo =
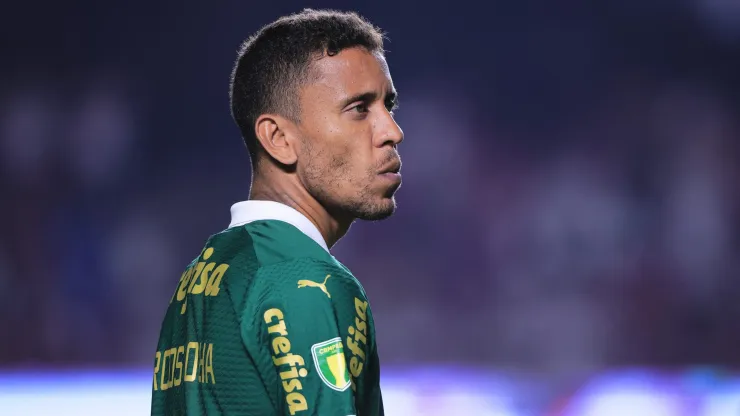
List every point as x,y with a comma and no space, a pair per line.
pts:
315,322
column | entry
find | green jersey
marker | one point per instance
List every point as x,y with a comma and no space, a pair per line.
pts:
266,322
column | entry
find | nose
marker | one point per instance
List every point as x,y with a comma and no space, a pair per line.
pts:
388,131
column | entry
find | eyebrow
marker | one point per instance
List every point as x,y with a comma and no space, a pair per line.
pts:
368,97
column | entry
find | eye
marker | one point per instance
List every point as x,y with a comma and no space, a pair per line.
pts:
391,105
360,108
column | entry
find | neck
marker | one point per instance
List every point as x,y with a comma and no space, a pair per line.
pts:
293,194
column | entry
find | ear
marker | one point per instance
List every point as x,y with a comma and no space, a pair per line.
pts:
274,133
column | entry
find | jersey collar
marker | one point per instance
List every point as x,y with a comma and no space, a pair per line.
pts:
249,211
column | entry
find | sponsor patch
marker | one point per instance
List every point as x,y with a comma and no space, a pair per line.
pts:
331,363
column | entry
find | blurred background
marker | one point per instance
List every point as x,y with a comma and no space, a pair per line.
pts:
568,235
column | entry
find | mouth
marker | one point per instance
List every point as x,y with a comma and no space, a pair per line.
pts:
392,169
392,177
390,173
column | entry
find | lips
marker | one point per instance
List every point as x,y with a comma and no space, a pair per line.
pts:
394,167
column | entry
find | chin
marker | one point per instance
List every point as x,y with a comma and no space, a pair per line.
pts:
377,211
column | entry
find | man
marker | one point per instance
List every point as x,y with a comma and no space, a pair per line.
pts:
265,321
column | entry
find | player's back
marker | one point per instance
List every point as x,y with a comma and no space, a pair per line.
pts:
225,343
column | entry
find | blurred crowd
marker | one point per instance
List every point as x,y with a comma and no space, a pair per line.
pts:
595,225
617,246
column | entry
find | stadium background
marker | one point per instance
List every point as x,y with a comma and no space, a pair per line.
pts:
568,235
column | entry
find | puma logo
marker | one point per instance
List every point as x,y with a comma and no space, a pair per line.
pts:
311,283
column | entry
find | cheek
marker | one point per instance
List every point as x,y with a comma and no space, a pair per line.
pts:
343,155
330,165
358,162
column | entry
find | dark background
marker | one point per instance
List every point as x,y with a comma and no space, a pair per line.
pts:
570,200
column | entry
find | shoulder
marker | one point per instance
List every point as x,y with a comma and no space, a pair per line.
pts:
305,272
307,285
272,242
311,296
264,243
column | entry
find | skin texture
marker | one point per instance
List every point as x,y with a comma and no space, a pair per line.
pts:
331,165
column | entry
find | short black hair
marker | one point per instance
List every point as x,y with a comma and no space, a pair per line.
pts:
274,62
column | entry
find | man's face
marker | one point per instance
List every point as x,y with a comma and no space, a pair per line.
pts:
348,158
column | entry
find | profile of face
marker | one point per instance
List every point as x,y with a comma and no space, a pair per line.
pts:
348,158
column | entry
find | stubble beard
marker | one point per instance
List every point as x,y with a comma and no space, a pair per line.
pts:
324,181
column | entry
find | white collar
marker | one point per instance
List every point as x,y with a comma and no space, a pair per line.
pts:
248,211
